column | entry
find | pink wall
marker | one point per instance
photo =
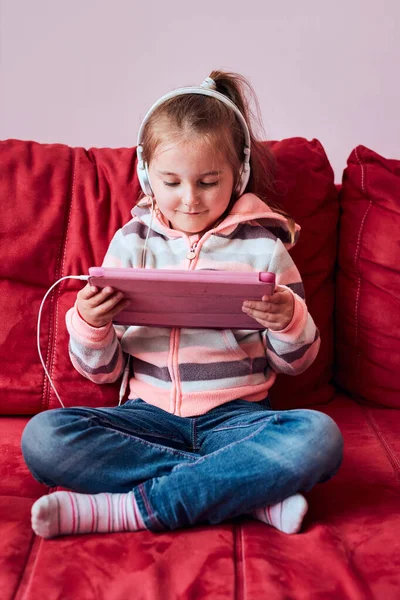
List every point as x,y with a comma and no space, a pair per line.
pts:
84,72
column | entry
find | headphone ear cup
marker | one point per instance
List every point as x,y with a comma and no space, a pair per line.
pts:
143,176
243,180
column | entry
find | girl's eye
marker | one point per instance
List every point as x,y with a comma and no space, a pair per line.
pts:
201,183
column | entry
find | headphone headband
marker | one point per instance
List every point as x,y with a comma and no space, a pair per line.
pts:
142,167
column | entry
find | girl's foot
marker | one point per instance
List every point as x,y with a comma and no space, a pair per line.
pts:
287,516
64,513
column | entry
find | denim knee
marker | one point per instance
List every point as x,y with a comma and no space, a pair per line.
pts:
327,443
39,445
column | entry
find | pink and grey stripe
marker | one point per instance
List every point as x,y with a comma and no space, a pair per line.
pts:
88,513
188,371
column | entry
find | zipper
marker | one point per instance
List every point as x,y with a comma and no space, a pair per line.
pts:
192,251
176,339
175,371
177,334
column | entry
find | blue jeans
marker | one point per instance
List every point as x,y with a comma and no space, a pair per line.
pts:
184,470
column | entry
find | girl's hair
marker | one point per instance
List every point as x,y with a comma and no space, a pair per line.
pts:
190,115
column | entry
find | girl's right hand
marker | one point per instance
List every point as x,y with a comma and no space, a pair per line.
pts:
99,306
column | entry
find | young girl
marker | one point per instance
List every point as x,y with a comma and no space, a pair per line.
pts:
197,441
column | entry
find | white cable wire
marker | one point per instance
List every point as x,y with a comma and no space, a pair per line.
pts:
147,236
122,388
82,278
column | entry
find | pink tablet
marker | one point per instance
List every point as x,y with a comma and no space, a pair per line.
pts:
180,298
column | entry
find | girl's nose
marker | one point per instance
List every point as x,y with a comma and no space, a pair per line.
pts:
190,197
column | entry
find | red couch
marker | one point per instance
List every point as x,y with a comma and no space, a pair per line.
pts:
59,209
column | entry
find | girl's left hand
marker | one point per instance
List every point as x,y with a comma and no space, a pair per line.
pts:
272,312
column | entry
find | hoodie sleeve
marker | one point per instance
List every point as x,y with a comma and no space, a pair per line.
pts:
293,349
96,352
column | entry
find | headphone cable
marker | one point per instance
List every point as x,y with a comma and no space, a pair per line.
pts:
82,278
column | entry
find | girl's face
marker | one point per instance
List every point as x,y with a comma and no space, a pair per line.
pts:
192,188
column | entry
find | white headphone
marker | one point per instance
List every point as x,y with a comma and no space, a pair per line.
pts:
207,88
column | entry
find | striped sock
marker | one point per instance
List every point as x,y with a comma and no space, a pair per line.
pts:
287,516
65,513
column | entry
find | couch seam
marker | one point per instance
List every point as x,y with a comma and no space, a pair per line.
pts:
238,561
33,551
357,269
394,461
53,329
37,541
244,591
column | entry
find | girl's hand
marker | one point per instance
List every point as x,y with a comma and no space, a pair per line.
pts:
99,306
272,312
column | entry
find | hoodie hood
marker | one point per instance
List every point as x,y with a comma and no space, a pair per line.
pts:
248,208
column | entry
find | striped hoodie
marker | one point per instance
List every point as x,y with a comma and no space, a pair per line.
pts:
189,371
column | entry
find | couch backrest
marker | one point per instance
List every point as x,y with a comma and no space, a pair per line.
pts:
60,207
368,279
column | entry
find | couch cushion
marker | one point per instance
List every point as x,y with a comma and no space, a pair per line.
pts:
350,543
15,477
196,564
16,540
305,189
368,279
349,546
61,207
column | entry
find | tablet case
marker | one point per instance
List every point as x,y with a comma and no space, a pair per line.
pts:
203,298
